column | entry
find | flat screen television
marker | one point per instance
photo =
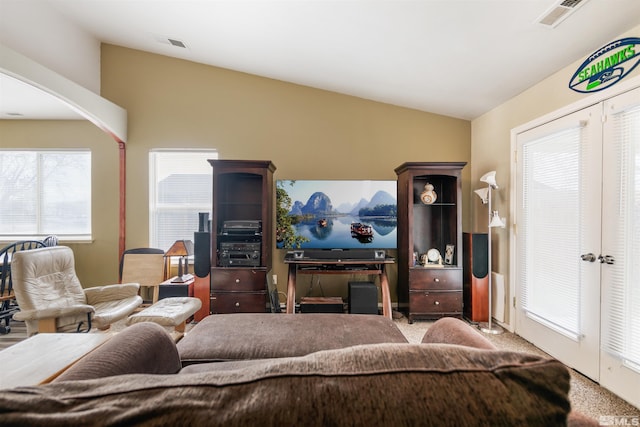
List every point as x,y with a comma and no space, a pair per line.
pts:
336,214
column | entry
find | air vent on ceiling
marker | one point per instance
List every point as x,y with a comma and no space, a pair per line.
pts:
177,43
160,38
559,11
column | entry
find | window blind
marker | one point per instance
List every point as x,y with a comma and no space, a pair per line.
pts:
549,227
180,186
621,326
45,192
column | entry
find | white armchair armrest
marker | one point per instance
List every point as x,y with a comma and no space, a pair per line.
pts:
53,313
101,294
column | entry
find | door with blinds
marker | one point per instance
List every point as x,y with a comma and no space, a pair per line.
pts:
578,241
620,255
559,172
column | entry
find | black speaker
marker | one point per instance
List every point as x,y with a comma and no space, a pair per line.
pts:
203,221
174,290
475,281
321,305
201,253
363,298
334,254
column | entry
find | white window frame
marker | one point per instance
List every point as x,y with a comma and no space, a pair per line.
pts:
162,164
40,199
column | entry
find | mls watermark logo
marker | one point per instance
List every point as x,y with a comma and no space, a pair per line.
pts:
607,66
616,420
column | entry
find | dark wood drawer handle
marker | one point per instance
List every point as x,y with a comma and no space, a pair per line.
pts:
237,304
436,280
437,303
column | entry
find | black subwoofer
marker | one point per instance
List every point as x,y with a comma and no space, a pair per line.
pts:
363,298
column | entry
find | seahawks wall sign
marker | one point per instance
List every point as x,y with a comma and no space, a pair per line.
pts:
607,66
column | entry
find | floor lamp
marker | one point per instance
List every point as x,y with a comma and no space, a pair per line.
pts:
494,221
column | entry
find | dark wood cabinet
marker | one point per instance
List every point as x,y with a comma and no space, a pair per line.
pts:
430,239
241,235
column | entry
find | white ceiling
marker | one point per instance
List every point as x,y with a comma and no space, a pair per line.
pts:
19,100
459,58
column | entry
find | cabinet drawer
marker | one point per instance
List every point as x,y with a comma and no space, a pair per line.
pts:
238,302
430,302
236,279
435,278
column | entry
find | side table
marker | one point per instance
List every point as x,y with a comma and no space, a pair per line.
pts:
42,357
172,289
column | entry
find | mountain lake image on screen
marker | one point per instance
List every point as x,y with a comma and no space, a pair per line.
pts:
336,214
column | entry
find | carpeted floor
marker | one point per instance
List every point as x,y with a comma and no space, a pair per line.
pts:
586,396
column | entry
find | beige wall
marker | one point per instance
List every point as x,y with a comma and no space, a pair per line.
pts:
96,262
491,145
307,133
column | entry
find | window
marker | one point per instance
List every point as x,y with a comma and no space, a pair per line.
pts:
180,186
621,329
45,192
550,221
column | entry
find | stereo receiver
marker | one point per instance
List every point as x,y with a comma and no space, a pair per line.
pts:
240,254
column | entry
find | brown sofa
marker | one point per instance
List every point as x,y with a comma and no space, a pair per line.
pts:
243,336
137,378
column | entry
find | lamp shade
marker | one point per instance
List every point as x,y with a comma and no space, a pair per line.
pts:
483,193
180,248
496,221
490,178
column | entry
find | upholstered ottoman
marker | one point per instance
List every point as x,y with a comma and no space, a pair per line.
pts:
245,336
168,312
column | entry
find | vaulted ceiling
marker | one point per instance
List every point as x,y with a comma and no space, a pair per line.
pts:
459,58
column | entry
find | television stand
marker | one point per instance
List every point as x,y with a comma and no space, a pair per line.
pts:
338,266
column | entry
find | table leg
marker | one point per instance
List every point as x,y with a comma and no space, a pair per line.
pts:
386,295
291,289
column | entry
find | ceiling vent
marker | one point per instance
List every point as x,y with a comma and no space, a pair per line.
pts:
177,43
559,11
168,40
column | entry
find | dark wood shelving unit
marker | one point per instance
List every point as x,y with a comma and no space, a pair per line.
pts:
243,190
432,290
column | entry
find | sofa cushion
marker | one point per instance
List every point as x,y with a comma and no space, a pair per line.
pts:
241,336
140,348
450,330
379,384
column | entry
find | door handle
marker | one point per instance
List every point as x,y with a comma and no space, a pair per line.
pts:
607,259
588,257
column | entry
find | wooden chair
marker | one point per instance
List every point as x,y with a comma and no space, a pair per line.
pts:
144,266
8,305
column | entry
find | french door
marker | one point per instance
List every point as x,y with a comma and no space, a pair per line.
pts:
559,171
578,241
620,354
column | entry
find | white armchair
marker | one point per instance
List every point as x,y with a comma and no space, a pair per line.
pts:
51,298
